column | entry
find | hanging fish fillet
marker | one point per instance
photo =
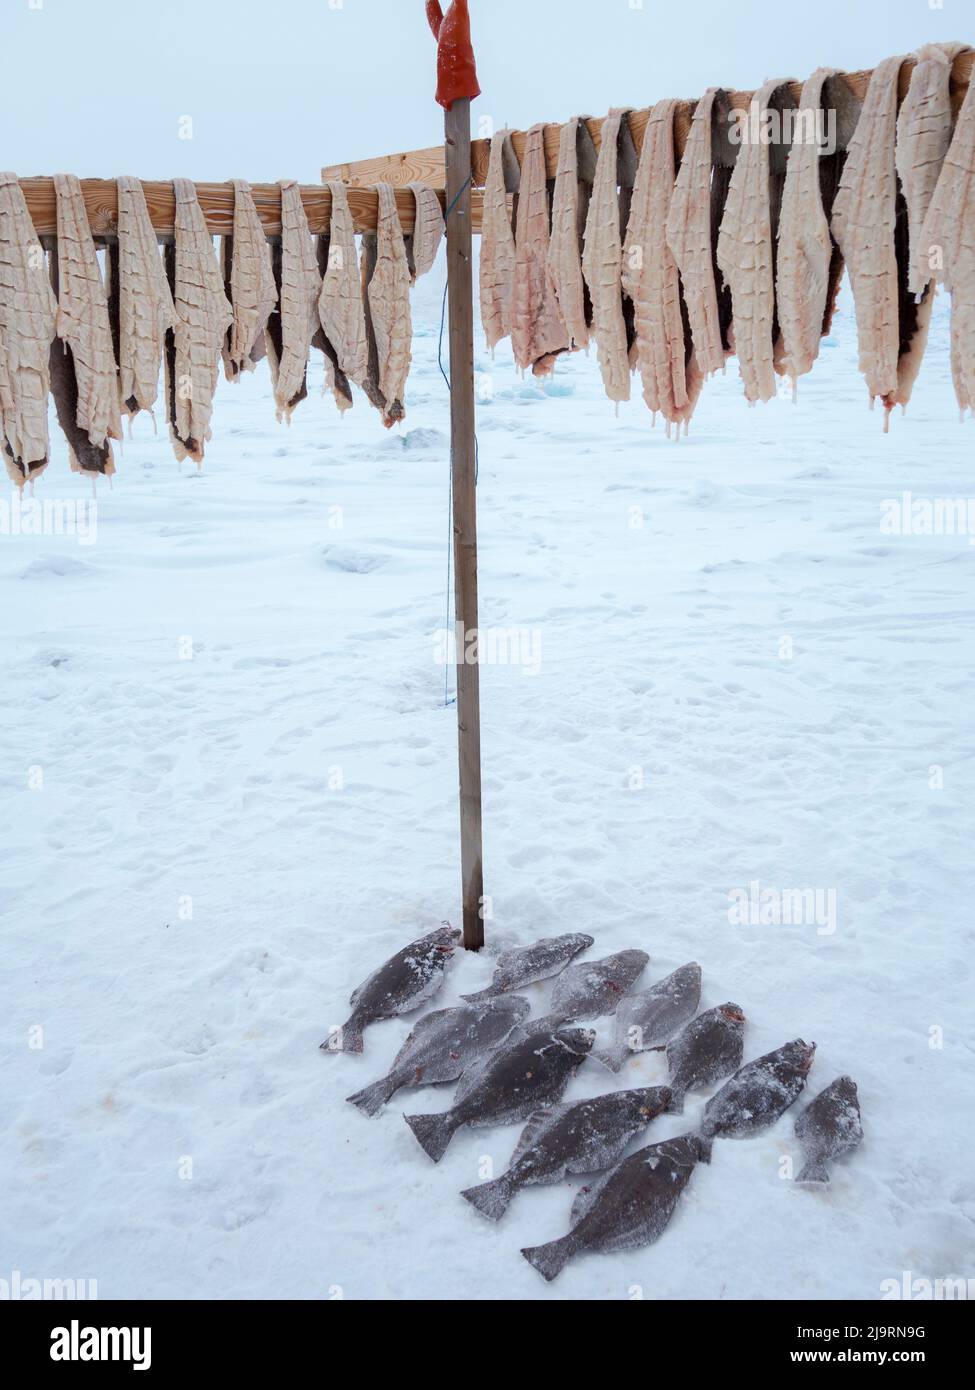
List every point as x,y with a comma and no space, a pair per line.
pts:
691,239
388,323
746,250
203,316
428,230
84,377
923,138
336,380
248,279
28,313
948,239
538,333
140,303
602,264
671,377
497,269
292,324
570,207
340,306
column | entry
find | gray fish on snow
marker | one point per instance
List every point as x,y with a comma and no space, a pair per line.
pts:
829,1128
757,1094
529,1072
627,1209
647,1020
707,1050
580,1138
524,965
407,980
443,1045
593,988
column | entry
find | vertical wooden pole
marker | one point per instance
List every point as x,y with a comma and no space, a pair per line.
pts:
460,291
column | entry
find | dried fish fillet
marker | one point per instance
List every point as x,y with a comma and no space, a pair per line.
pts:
248,284
691,238
602,264
203,316
538,333
923,138
140,303
340,306
428,229
336,380
292,324
389,319
497,242
83,371
746,250
28,311
570,208
948,238
671,378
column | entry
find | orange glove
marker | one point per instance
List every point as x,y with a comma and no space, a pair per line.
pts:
456,70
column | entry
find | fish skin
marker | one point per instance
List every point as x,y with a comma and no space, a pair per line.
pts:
659,1012
594,988
828,1128
530,1072
403,983
581,1138
758,1094
525,965
707,1050
442,1045
628,1209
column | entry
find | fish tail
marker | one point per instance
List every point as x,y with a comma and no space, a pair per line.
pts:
348,1038
815,1171
491,992
611,1058
433,1132
371,1099
552,1258
491,1198
704,1142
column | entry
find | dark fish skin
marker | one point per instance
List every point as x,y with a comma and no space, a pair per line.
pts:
829,1128
442,1046
581,1138
628,1209
526,964
758,1094
707,1050
593,988
527,1074
406,981
648,1019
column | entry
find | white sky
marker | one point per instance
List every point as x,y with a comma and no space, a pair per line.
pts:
277,88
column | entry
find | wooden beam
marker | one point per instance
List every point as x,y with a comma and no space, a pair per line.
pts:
463,475
217,202
397,169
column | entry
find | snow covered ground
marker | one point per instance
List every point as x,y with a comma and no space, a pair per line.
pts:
229,779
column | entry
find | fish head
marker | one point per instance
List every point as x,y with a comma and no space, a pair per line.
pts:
845,1089
651,1101
445,938
733,1013
576,1040
804,1054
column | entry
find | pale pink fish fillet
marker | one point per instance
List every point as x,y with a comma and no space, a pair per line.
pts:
340,306
497,248
569,209
949,239
690,241
671,378
250,279
428,229
746,257
300,288
389,305
602,264
203,316
146,309
805,243
864,219
538,332
28,311
83,323
923,137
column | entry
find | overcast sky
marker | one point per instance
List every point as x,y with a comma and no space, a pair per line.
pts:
277,88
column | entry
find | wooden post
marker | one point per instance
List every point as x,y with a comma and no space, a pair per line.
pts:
460,290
